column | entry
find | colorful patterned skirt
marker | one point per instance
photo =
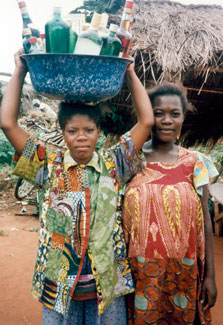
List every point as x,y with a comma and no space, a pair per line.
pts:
86,312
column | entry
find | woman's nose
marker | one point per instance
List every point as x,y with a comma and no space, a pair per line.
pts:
81,135
167,119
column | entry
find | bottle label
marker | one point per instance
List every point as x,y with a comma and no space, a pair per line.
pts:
127,11
126,45
86,46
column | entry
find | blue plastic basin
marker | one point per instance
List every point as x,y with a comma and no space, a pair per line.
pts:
76,77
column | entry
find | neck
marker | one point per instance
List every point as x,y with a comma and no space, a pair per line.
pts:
156,145
162,146
157,151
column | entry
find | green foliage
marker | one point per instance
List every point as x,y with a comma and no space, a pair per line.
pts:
116,122
101,141
6,151
99,6
216,154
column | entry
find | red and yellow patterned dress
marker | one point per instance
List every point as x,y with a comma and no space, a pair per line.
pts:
164,230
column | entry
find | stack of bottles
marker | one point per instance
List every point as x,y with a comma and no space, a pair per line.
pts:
61,35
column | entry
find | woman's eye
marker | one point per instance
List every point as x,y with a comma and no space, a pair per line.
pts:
72,131
158,114
175,114
90,130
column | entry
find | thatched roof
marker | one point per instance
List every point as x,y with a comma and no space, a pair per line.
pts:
178,36
182,43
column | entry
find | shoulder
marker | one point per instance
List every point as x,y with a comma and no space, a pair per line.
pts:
187,156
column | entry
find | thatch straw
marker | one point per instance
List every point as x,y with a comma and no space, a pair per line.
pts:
178,36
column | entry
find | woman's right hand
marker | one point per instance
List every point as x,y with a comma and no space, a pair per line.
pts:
18,61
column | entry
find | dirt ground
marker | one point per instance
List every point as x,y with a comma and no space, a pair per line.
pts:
18,242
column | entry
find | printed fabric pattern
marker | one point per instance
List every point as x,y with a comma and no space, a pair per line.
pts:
68,229
164,230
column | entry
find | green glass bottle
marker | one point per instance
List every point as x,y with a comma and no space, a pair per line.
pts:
111,44
57,33
73,37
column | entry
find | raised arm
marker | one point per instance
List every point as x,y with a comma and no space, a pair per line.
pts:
10,106
142,129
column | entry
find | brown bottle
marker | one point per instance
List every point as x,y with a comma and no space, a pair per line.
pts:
124,32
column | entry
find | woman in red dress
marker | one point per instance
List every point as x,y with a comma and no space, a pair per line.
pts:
167,224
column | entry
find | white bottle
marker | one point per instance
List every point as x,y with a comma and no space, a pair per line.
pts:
90,42
103,30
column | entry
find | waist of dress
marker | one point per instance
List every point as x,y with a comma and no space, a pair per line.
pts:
85,289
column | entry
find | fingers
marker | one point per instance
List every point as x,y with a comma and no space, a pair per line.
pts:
19,52
207,298
17,58
212,300
202,296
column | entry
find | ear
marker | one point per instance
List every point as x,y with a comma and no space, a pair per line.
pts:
98,130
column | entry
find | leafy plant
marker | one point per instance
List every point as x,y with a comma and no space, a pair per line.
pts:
216,154
99,6
6,151
101,141
115,122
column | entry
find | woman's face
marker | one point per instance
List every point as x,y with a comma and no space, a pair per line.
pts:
81,135
169,117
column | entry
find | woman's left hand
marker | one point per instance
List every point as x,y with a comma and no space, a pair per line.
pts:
131,66
208,293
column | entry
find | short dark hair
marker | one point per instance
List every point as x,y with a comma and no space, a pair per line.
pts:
69,109
168,89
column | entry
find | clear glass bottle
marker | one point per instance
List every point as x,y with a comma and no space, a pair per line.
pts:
103,30
124,32
27,21
34,46
57,33
26,34
111,43
42,42
90,42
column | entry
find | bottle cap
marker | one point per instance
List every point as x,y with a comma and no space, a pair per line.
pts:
26,31
104,20
22,4
57,10
129,4
113,28
95,22
32,40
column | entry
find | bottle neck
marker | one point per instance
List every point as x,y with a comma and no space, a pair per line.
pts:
57,15
24,13
125,25
26,18
112,34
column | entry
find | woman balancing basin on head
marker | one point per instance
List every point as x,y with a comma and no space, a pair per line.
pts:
167,224
81,272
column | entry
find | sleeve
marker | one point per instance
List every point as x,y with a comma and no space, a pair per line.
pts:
31,164
203,170
127,159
